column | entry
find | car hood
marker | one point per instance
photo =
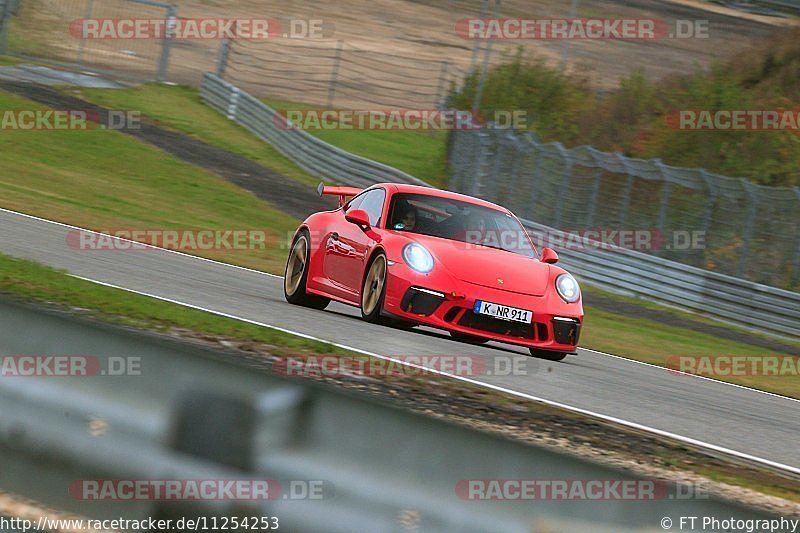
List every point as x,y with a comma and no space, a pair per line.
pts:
485,266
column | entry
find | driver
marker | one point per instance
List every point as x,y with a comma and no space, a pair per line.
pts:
405,216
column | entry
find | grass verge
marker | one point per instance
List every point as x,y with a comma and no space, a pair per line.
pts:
105,180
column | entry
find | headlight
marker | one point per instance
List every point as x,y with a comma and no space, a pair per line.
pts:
417,257
567,288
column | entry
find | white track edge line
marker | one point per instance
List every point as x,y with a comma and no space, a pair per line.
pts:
220,263
141,243
689,374
634,425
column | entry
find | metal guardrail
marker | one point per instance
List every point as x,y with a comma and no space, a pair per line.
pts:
189,413
744,303
309,153
749,231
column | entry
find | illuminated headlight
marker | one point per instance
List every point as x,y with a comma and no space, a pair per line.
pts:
418,258
567,288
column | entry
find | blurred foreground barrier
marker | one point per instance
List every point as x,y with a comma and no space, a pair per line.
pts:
167,413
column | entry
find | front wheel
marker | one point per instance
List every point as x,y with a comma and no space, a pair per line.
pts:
374,289
296,275
547,354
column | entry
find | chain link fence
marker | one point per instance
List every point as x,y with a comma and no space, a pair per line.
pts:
334,73
51,31
727,225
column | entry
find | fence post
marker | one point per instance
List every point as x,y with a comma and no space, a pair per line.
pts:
598,179
708,213
440,90
479,89
796,269
5,16
222,58
566,178
747,235
626,196
666,191
335,74
535,176
82,45
166,46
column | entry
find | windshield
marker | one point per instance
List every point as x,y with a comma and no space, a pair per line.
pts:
455,220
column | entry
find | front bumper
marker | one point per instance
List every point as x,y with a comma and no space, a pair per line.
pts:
442,302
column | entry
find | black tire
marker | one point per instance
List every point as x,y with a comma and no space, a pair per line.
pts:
547,354
294,282
465,337
372,297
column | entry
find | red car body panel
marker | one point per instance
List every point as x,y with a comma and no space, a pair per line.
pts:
461,272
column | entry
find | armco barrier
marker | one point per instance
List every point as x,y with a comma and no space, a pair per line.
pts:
310,153
755,306
188,413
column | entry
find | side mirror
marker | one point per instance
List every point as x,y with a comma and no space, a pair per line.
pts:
359,217
549,256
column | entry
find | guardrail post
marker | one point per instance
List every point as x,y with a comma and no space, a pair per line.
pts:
222,57
747,235
233,105
335,74
166,45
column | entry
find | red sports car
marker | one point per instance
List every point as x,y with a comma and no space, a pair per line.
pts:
430,257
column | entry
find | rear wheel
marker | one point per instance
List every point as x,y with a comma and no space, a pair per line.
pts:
374,289
547,354
465,337
296,275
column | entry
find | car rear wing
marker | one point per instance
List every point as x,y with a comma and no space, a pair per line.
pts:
342,192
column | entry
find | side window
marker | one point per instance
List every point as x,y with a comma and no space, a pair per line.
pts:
353,204
373,205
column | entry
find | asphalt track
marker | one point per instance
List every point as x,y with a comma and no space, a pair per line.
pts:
756,425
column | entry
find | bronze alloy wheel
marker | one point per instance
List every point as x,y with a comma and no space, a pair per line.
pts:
295,266
296,275
373,290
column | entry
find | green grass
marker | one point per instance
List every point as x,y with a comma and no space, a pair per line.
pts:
421,154
182,109
31,281
106,180
114,181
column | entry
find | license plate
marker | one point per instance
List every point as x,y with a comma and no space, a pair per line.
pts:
503,312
